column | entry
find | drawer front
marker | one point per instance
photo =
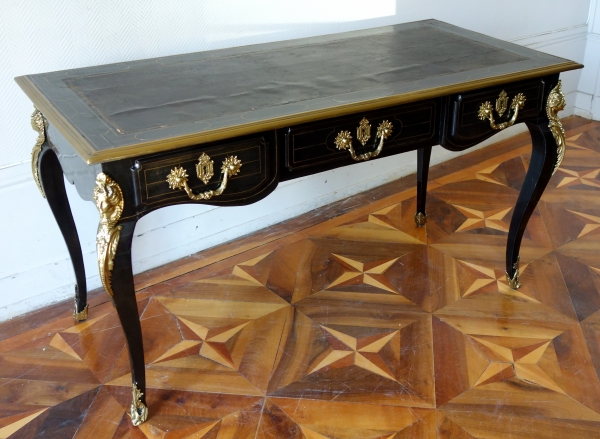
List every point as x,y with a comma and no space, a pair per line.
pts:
255,179
465,127
311,147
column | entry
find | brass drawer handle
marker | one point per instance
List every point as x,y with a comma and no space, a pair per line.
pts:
178,178
363,133
486,110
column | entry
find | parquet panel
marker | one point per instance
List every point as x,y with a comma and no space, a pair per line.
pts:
350,323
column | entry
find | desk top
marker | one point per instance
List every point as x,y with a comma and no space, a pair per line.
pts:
132,108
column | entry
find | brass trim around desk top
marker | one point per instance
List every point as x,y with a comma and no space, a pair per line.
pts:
90,156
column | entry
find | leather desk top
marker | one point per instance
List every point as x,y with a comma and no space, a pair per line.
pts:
124,110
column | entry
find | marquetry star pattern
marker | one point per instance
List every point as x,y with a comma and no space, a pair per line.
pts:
571,142
382,219
314,419
345,350
588,177
213,344
369,273
11,424
197,431
490,175
478,219
485,280
384,225
311,434
247,270
592,222
65,340
518,358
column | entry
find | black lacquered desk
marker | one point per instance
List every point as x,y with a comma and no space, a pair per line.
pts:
225,127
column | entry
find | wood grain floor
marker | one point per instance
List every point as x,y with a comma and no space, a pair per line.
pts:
349,323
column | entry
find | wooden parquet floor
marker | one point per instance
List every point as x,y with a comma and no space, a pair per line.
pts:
353,324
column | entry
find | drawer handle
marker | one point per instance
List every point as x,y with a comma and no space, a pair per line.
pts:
343,140
486,111
178,178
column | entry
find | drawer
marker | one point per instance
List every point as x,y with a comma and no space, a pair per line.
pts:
311,148
464,126
256,177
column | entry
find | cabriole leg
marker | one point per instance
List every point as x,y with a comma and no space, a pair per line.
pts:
423,157
548,141
126,306
113,245
53,186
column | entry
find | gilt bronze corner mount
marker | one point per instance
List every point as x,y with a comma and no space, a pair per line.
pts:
556,102
109,201
39,124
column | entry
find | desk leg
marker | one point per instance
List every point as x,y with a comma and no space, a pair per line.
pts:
53,183
126,306
543,160
423,157
113,247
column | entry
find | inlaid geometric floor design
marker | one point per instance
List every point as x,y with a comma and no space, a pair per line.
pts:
363,327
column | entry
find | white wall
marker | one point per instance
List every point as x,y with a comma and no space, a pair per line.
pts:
588,97
38,36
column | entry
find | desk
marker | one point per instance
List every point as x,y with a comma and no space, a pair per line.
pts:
225,127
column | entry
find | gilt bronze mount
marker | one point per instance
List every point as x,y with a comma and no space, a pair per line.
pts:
178,179
109,202
514,281
420,219
556,102
39,124
204,168
138,410
343,141
486,111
